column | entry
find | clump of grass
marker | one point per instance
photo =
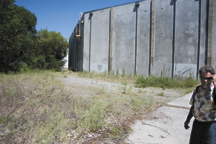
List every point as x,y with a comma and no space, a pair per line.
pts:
139,91
161,94
138,102
83,74
123,72
165,82
102,89
124,87
105,73
117,73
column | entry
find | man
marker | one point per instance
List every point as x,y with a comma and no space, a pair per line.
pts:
203,109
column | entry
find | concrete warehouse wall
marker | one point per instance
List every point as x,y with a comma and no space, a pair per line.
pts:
149,37
214,36
186,36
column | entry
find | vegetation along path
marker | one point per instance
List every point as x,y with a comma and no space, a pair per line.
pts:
163,125
67,107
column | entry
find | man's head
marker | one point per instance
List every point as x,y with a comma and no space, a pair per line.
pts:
206,72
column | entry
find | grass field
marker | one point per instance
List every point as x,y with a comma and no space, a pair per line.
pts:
35,107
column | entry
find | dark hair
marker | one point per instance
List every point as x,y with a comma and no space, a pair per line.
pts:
206,68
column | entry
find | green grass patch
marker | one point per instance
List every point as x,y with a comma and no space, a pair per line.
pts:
161,94
165,82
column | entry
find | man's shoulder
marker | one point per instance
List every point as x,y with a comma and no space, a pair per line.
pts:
198,88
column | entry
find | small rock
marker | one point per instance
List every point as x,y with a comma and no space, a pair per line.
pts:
69,135
90,136
150,135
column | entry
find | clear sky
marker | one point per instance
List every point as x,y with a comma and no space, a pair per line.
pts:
63,15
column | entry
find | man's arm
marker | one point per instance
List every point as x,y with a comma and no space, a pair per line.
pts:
214,79
190,115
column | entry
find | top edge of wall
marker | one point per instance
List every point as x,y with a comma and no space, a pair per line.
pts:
114,6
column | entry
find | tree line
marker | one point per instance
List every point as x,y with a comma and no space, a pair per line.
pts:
22,47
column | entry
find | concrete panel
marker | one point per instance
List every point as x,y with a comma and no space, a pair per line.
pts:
164,38
82,42
124,39
74,52
203,33
69,53
210,31
73,48
186,47
86,32
143,38
100,40
214,39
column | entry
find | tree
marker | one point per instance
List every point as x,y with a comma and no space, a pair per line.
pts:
18,34
20,44
52,49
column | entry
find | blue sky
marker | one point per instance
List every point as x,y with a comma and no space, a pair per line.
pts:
62,15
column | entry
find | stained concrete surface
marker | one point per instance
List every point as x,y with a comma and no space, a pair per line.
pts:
164,125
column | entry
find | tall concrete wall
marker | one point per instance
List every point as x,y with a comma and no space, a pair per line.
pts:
124,39
143,39
214,36
164,38
86,41
186,43
75,53
72,48
203,39
100,40
96,41
155,37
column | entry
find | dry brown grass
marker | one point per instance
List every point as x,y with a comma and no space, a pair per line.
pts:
37,108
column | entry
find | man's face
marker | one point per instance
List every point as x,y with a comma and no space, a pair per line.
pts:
206,79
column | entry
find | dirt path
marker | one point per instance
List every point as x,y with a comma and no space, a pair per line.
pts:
75,83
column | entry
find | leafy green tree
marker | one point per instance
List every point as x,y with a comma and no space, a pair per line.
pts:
18,36
52,49
21,46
